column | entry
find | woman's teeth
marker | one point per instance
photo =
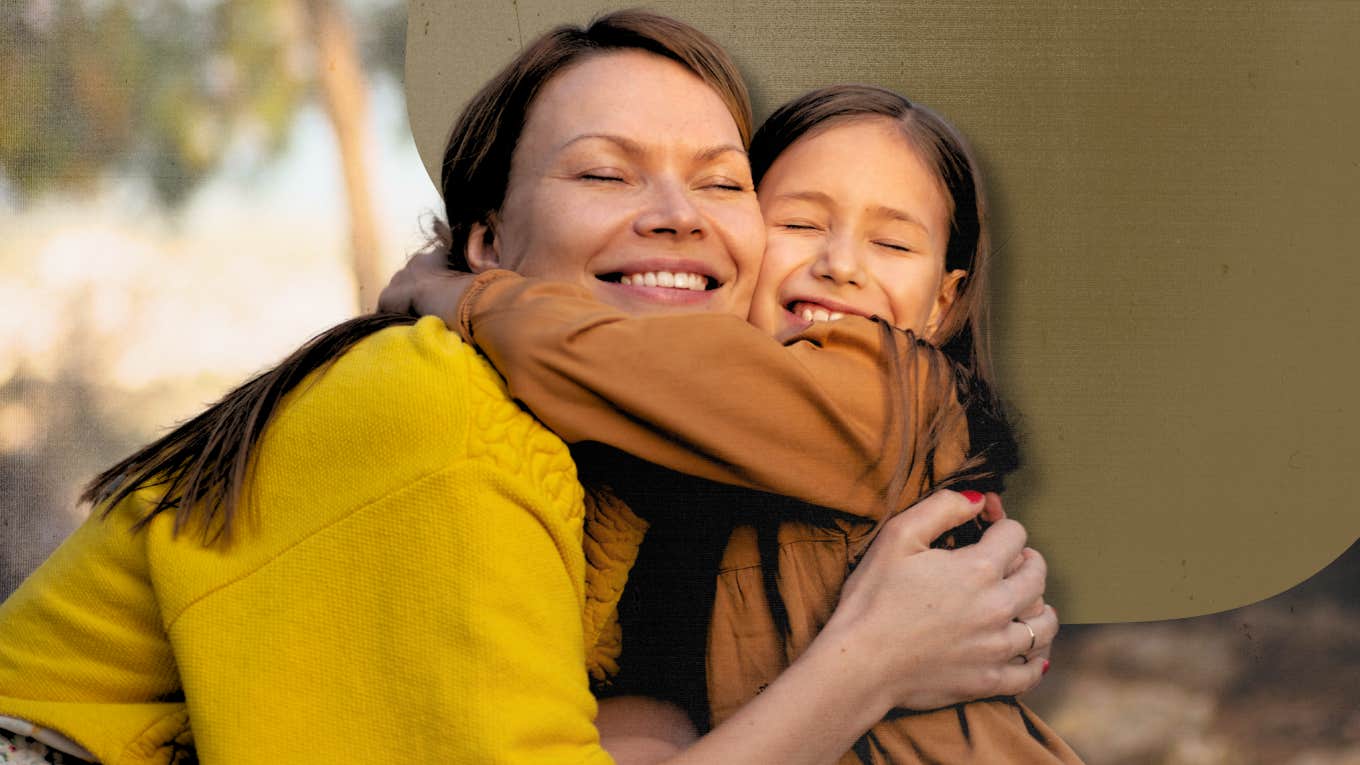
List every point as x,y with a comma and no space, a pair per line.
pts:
681,281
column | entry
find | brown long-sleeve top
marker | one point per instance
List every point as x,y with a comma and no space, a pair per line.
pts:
847,416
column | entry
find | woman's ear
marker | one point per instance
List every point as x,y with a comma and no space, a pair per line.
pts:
949,292
483,249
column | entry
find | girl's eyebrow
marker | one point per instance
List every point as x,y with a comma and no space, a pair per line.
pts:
883,211
816,197
631,147
825,200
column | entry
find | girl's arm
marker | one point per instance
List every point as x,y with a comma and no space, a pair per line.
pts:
708,395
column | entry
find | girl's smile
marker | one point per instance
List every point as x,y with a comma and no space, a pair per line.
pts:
857,224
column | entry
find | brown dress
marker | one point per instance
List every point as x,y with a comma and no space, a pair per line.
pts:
818,419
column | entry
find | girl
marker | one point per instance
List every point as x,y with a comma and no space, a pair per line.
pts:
372,539
873,208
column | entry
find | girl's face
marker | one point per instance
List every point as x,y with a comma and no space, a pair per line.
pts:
630,179
856,223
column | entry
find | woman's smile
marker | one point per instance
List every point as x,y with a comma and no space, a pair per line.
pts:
666,280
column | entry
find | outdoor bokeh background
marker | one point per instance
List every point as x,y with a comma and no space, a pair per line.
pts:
191,188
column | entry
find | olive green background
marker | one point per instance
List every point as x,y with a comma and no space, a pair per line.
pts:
1175,194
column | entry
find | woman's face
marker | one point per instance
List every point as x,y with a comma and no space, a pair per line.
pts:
630,179
856,224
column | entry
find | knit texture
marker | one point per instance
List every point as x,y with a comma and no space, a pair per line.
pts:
410,569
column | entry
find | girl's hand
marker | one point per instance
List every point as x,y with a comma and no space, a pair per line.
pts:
426,286
929,627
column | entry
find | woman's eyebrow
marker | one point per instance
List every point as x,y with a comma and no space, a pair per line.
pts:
629,146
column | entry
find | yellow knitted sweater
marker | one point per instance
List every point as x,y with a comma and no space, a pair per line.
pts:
411,574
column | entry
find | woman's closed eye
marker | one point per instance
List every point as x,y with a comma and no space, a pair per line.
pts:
603,176
725,184
800,226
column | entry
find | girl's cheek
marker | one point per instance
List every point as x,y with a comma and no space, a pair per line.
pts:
784,257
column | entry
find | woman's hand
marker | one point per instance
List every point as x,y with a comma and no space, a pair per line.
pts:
426,286
933,627
916,627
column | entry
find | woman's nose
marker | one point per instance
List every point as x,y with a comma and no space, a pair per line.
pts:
671,213
840,262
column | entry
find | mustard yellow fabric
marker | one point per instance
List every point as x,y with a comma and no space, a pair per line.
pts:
411,571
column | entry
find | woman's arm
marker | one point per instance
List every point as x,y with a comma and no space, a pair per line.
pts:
957,606
707,394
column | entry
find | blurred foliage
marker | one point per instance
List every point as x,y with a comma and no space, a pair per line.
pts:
164,90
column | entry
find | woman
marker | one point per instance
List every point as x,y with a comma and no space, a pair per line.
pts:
405,561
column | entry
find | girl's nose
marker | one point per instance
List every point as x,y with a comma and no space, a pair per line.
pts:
840,262
670,213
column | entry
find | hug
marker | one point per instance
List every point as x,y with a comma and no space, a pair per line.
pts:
692,458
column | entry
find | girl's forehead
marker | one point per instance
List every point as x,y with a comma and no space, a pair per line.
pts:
859,163
867,142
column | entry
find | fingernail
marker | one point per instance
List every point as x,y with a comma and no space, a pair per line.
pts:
1044,671
972,496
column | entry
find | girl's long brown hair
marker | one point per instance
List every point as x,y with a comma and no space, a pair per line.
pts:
204,464
962,334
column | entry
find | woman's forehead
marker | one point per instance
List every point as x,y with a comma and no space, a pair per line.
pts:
640,96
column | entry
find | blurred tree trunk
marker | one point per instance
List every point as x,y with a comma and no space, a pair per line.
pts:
343,92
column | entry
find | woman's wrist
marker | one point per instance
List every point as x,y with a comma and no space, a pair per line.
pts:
838,655
812,714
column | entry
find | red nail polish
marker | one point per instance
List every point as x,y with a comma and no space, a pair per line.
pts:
1044,671
972,496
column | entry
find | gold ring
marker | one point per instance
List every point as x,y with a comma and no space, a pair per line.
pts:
1032,636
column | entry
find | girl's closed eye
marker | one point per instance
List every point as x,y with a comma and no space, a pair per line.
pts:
895,246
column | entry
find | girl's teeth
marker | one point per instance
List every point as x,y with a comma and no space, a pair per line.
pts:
681,281
810,313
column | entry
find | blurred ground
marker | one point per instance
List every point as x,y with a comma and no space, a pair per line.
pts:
1274,683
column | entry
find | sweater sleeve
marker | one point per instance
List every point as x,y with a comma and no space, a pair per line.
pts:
82,652
826,418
